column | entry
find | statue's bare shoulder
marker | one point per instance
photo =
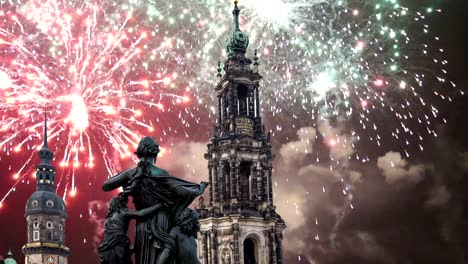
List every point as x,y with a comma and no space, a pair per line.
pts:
156,171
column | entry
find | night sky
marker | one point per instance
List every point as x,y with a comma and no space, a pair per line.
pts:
414,211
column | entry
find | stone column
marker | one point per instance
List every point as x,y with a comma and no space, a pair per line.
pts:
238,184
222,185
235,98
232,178
250,103
227,183
210,181
215,184
279,247
220,110
203,248
251,180
214,247
255,99
256,179
260,183
270,186
257,102
273,258
235,240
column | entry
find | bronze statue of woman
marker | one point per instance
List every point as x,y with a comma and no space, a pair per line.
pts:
149,185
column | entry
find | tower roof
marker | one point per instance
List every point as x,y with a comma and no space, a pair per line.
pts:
237,41
45,199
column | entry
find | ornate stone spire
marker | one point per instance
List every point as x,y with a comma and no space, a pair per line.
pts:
237,41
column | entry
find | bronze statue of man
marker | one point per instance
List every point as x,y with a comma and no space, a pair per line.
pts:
150,185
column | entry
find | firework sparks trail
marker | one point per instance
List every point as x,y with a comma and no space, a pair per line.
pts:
84,66
102,67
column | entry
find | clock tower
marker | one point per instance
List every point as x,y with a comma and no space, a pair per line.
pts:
45,216
239,224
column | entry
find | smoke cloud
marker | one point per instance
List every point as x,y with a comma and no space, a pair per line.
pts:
396,169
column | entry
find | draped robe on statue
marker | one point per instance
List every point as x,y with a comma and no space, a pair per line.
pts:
152,233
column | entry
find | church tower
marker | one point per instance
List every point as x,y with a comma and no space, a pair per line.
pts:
45,216
239,225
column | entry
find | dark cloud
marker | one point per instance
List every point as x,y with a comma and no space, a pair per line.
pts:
404,211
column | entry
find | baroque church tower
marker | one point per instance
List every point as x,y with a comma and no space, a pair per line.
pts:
45,216
239,225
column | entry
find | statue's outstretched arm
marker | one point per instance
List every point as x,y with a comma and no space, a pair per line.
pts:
144,212
203,186
117,181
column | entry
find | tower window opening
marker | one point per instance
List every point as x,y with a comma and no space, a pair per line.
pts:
250,252
36,236
49,225
242,99
227,180
36,224
245,180
50,203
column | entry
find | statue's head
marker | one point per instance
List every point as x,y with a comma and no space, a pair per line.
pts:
118,203
187,220
147,148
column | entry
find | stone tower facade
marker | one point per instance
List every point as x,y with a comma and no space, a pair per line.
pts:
45,216
239,225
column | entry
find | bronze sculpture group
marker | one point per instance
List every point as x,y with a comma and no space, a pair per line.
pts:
165,227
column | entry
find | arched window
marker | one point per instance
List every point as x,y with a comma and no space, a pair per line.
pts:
36,224
49,225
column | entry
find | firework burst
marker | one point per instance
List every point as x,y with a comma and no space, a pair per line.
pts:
110,71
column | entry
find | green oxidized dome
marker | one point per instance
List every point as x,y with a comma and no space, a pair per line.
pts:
9,259
237,41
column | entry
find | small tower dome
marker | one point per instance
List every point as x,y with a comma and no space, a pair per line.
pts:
9,259
237,41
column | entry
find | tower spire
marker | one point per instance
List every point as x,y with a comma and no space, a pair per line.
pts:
237,41
45,154
45,130
235,14
45,172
